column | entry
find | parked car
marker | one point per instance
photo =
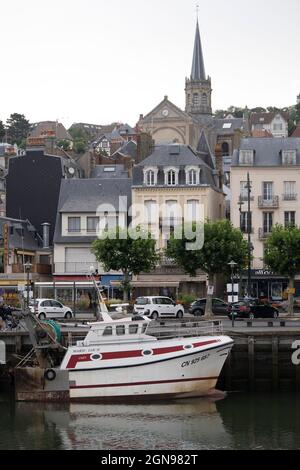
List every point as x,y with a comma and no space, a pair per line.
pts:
252,309
156,306
219,307
49,308
296,307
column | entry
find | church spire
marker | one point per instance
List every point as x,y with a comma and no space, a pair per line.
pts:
198,70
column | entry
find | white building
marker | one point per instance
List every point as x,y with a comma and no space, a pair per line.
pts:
274,123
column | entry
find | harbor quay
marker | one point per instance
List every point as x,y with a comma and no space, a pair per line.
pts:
265,356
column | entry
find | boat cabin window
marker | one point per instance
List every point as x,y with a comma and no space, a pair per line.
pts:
120,330
144,328
133,329
107,331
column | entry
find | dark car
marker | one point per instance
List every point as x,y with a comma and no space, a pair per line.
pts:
219,307
252,309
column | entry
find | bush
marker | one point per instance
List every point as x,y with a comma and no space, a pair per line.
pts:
186,299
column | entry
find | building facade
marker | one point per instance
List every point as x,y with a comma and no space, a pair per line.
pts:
274,169
171,187
274,123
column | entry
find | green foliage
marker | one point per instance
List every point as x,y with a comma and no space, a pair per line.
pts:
64,144
2,130
125,253
186,299
80,146
222,243
78,134
18,128
282,253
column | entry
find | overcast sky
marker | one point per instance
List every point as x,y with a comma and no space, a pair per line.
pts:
100,61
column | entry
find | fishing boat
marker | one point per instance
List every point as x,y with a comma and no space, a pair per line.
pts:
130,358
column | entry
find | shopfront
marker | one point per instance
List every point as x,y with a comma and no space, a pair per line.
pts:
265,284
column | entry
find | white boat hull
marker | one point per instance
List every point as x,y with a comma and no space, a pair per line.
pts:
171,370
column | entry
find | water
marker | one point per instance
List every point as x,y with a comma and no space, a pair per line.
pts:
239,421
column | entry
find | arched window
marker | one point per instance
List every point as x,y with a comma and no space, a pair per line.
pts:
225,149
150,178
193,212
204,99
171,178
196,99
192,177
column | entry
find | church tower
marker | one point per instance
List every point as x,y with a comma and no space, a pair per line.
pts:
198,87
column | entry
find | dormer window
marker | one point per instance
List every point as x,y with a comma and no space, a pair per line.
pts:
192,176
246,157
150,176
171,176
289,157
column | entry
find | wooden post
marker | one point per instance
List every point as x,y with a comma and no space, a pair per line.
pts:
275,374
251,372
18,343
228,372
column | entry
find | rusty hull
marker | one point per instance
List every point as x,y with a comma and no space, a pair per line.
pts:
31,385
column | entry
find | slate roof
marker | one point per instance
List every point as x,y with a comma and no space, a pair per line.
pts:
177,155
127,149
267,150
229,126
85,196
296,132
116,171
266,118
57,127
198,70
31,239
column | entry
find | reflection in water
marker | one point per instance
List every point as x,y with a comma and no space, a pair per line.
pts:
238,421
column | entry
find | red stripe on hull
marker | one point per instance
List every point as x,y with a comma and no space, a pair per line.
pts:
75,359
155,382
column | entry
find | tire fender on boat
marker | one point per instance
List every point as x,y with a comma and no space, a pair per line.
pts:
50,374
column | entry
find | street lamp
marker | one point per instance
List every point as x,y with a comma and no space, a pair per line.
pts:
232,265
27,267
248,187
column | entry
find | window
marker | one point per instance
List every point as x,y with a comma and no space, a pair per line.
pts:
150,177
133,329
107,331
267,222
74,224
277,127
244,190
246,222
289,190
193,212
104,144
246,157
289,157
120,329
225,149
151,212
204,99
192,177
92,224
108,169
171,178
267,191
196,99
289,219
227,125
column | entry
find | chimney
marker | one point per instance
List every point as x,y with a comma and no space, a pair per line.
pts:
219,164
46,227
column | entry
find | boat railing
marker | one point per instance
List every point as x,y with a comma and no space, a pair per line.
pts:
185,329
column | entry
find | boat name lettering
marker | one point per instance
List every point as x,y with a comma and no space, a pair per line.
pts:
194,361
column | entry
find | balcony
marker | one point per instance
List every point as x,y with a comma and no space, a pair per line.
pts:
271,203
263,234
76,268
170,222
289,197
244,198
35,269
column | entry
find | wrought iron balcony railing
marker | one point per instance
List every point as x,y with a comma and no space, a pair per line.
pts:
272,202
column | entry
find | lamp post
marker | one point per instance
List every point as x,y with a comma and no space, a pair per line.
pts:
27,267
248,187
232,265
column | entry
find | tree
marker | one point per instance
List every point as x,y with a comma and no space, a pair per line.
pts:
64,144
282,255
127,250
2,130
222,243
79,146
18,128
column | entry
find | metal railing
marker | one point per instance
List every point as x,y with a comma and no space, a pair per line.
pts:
184,328
289,197
263,234
272,202
76,267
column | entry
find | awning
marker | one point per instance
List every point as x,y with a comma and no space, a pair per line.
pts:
23,252
109,280
155,283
